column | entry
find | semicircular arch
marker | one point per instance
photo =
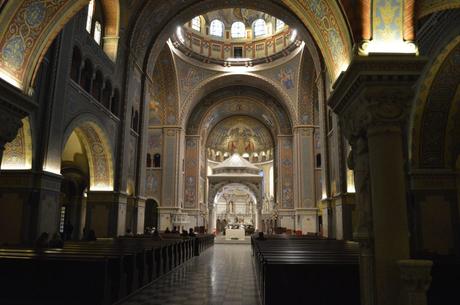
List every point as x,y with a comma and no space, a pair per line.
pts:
98,149
248,80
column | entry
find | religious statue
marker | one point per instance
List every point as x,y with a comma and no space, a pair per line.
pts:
358,161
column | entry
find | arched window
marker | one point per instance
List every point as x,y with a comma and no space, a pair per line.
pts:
95,21
87,76
89,17
238,30
196,23
279,24
157,160
76,64
318,160
259,27
216,28
96,91
107,94
114,105
149,160
97,32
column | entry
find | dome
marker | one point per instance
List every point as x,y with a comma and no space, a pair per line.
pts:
235,36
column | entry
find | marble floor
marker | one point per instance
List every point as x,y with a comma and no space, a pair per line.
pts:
222,275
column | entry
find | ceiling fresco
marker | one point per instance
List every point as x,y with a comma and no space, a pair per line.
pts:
240,134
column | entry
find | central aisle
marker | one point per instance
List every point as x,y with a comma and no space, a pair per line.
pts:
222,275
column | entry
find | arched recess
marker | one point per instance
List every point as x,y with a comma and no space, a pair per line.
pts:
214,190
434,142
98,152
213,108
18,153
27,29
151,213
323,19
434,154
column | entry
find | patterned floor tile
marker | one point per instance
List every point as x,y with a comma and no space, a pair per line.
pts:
222,274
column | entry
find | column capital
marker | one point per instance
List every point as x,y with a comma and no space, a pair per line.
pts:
374,94
416,279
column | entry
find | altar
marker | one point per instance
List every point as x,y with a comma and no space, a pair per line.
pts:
234,234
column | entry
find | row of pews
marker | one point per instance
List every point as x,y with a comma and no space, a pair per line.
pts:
306,270
91,273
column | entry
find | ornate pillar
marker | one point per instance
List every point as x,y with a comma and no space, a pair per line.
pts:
285,181
371,100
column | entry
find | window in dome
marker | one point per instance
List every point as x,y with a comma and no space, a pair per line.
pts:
89,18
97,32
279,24
259,28
216,28
196,23
238,30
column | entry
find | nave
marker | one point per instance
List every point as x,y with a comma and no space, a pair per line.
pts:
223,274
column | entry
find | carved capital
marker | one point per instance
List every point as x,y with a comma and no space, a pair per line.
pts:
416,279
379,110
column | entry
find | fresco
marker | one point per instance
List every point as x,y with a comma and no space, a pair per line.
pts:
306,90
286,173
388,20
191,169
161,93
240,134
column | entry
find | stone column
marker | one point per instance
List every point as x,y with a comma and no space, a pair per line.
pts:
371,100
211,218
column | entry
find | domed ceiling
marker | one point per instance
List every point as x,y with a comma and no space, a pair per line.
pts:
235,36
240,134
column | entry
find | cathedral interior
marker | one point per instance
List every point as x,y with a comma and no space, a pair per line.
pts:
229,152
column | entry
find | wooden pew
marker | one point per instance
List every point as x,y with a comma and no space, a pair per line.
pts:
86,273
306,270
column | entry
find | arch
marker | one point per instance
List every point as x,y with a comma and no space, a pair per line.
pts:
98,149
219,82
231,101
22,52
216,28
215,188
18,153
427,7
